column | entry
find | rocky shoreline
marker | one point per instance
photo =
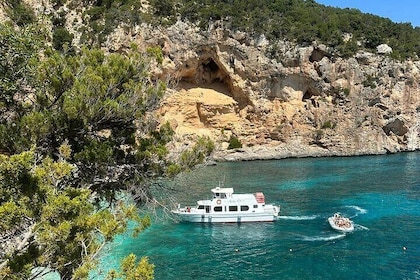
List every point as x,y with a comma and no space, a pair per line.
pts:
280,152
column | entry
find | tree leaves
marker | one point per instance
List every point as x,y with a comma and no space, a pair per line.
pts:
300,21
77,114
69,230
17,51
133,270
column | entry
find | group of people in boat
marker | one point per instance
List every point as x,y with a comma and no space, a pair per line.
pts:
341,221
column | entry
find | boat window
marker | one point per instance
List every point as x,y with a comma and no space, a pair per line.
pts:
244,207
200,206
233,208
217,209
255,206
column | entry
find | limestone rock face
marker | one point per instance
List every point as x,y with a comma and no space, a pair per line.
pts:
304,102
278,98
384,49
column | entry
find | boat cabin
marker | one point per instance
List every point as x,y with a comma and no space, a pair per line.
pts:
223,200
221,193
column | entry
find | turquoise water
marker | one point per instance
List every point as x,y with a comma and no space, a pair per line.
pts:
380,193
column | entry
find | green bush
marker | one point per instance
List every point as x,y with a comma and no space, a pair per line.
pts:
156,52
328,124
346,91
20,13
369,82
61,38
234,143
189,158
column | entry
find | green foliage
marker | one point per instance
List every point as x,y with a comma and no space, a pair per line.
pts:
96,151
16,182
77,97
369,82
61,38
19,55
234,143
302,21
348,49
93,102
103,17
346,91
69,229
156,52
77,114
131,270
18,51
189,158
10,215
19,12
328,124
173,169
164,11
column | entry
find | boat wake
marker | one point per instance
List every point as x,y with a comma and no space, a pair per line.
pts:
357,208
323,238
360,227
298,218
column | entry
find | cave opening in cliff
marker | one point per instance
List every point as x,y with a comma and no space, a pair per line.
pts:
317,55
208,72
210,66
307,95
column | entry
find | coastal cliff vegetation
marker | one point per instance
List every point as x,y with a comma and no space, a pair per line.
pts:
346,30
74,135
76,123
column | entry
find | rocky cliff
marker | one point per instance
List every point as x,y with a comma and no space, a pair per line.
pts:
280,99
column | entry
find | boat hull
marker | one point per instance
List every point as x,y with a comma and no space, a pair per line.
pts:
342,229
225,218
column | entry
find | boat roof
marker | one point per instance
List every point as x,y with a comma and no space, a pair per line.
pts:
222,190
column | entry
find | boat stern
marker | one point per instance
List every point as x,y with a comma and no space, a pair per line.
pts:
276,210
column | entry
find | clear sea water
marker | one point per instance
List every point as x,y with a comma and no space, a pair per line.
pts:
380,193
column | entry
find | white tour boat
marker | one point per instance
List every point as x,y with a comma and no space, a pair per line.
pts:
227,207
341,223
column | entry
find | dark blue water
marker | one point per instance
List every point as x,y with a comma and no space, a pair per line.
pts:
380,193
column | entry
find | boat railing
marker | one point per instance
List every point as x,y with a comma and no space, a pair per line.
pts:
190,209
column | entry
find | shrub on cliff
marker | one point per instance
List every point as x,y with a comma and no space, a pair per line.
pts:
303,21
234,143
